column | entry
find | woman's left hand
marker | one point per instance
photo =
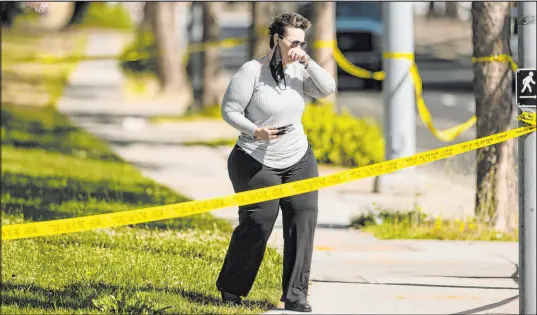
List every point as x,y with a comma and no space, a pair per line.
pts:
297,54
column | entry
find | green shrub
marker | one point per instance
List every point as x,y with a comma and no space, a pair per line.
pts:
342,139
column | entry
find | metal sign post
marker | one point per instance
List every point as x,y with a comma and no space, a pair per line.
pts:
526,91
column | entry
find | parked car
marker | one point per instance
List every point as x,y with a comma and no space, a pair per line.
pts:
359,31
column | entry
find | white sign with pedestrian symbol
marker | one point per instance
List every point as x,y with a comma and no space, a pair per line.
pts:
526,82
526,88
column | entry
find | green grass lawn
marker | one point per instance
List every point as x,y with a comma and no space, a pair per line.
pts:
51,170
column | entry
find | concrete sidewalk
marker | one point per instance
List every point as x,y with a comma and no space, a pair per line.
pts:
352,272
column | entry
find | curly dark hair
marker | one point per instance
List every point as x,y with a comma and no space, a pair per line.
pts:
283,20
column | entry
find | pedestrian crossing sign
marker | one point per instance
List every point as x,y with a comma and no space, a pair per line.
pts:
526,89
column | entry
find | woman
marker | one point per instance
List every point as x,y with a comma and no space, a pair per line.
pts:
265,102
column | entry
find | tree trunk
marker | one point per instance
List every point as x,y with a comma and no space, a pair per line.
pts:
452,9
170,69
195,60
496,169
252,34
262,13
8,12
211,56
431,12
147,15
324,29
79,11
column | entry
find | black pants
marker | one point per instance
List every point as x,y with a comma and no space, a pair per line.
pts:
256,221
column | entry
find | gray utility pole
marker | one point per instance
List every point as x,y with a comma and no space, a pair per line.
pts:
526,171
398,89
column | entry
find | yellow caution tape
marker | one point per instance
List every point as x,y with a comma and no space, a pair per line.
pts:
500,58
529,118
453,132
425,116
72,225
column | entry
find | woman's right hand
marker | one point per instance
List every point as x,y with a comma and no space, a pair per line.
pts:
266,133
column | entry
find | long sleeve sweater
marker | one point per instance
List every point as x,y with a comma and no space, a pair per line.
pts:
254,100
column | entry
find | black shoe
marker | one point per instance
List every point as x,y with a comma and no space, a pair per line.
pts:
298,306
231,298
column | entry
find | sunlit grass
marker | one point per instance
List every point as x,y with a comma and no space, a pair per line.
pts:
175,269
389,224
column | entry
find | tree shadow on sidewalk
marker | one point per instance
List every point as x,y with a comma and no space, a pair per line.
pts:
470,311
489,306
417,285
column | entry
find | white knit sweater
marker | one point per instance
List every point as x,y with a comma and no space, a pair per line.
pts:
253,99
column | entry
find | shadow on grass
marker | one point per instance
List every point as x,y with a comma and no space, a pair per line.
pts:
59,189
40,197
34,212
201,298
80,295
49,299
44,128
